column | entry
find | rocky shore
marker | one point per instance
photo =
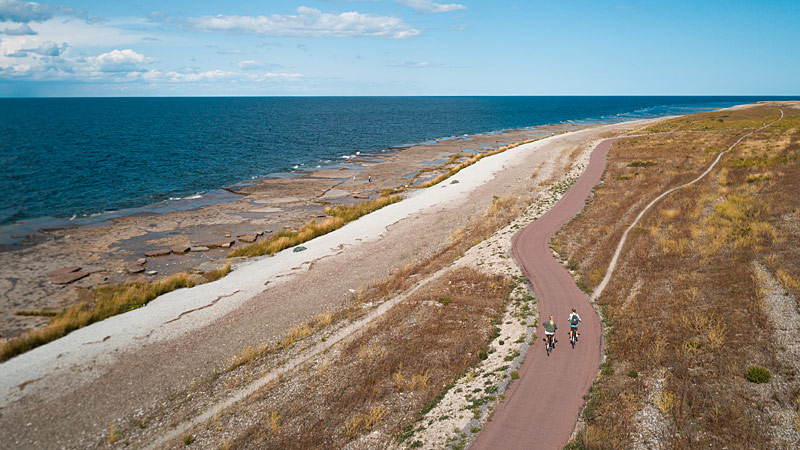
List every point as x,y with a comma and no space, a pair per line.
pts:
58,268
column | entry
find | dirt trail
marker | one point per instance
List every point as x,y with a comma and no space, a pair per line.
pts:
540,409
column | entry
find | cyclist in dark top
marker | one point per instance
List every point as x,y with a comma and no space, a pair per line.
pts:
574,320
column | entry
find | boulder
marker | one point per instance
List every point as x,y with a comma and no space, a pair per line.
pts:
248,238
64,271
134,268
69,277
159,252
198,248
180,249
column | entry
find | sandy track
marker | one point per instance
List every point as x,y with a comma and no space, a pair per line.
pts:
540,409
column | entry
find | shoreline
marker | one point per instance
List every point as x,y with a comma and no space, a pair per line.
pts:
251,305
29,231
106,248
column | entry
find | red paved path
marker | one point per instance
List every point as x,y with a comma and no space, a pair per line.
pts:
541,408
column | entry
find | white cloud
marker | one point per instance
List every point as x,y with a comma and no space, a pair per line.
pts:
250,65
22,30
412,65
47,48
307,22
125,60
24,12
428,6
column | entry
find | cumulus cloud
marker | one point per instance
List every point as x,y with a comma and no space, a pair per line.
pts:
24,12
428,6
22,30
307,22
125,60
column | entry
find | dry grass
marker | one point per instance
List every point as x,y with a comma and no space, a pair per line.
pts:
698,309
381,379
339,216
108,301
452,170
216,274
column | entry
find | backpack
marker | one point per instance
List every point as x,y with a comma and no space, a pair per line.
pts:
574,319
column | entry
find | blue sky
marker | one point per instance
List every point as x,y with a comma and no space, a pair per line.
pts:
399,47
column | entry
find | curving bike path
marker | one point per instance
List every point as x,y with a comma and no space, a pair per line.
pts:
540,408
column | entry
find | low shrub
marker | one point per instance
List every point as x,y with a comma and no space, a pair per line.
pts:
758,374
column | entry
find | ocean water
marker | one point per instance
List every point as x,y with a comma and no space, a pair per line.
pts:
67,160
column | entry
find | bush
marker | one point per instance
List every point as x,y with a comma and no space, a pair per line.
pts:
758,374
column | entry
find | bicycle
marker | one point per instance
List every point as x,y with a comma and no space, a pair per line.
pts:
550,343
573,336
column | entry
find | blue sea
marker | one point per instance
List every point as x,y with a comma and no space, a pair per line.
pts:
67,160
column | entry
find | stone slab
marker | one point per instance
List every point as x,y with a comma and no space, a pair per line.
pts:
69,277
158,252
64,271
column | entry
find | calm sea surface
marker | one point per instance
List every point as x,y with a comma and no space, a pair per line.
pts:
74,158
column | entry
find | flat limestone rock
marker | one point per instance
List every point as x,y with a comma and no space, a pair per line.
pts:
198,248
141,261
180,249
265,210
159,252
218,244
248,238
152,272
69,277
64,271
134,268
361,196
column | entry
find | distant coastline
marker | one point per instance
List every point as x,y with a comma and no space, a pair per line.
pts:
38,203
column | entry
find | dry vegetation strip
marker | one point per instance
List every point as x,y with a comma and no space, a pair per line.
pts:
339,216
380,380
684,290
108,301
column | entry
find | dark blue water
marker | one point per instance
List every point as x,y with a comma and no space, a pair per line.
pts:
70,158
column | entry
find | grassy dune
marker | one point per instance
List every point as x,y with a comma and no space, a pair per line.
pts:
685,307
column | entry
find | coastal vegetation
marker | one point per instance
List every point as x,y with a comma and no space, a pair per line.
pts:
686,291
339,216
384,378
107,301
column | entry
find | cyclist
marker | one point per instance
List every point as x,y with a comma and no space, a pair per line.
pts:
574,320
550,330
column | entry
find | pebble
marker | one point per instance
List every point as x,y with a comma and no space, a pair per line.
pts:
152,272
142,261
